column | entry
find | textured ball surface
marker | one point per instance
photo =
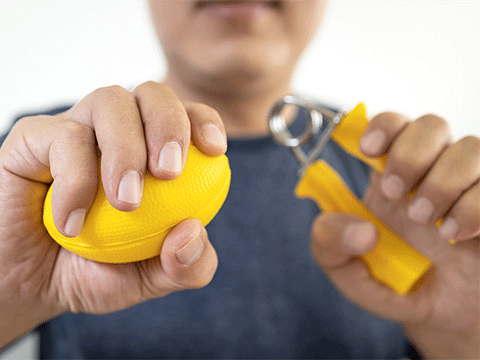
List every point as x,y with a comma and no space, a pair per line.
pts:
113,236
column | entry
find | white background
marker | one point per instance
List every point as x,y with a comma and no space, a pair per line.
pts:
415,57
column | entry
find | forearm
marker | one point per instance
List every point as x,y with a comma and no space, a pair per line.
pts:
438,344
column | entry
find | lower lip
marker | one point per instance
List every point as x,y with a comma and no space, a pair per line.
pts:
237,11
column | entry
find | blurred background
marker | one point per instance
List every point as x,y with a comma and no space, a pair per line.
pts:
414,57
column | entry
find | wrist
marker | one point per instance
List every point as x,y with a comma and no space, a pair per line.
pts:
17,320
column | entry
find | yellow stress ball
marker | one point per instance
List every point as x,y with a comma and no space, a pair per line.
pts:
113,236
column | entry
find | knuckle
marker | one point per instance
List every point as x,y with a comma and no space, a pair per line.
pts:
111,90
317,228
407,161
82,181
151,90
146,87
319,234
475,227
389,121
316,251
470,145
25,120
202,277
106,94
194,279
385,116
77,132
471,224
196,275
26,123
433,123
202,280
176,114
206,112
470,218
443,196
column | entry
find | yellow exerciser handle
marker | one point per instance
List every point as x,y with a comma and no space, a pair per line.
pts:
392,262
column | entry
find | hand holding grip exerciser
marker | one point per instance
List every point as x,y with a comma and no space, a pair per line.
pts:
392,262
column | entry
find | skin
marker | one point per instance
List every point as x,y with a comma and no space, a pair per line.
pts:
238,64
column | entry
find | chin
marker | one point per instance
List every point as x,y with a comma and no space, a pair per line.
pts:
238,80
249,61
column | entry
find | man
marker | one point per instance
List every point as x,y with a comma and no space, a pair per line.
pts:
228,63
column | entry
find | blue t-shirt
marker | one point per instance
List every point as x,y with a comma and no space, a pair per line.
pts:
268,299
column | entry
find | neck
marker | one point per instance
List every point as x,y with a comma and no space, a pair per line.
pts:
243,109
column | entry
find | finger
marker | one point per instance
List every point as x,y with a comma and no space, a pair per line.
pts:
380,133
338,238
62,150
113,114
412,154
187,261
463,221
337,241
208,132
456,170
167,129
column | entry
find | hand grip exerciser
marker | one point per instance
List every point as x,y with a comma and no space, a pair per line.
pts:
392,262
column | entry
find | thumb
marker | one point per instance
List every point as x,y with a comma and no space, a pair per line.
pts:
338,241
187,261
339,238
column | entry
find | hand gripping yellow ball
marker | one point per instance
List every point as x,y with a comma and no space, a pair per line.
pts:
113,236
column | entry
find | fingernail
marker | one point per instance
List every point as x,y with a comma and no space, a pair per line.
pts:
421,210
212,134
192,251
449,228
130,188
170,158
74,224
393,187
373,143
358,238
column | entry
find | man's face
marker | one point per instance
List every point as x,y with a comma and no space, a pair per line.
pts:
240,39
